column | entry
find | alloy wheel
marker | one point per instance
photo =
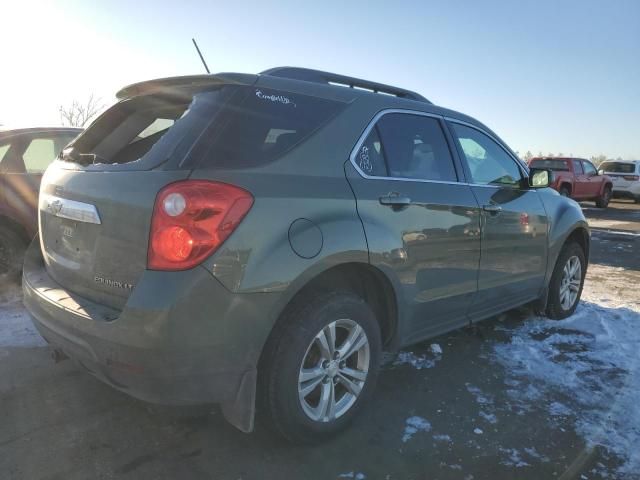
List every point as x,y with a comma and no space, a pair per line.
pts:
570,283
334,370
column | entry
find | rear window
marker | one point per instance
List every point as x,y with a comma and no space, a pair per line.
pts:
551,164
149,127
618,167
238,127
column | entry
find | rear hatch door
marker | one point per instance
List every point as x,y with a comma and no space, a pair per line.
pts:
96,200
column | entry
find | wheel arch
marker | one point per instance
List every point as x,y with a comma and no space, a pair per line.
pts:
568,184
367,281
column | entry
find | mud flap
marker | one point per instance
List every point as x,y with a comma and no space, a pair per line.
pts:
241,412
540,305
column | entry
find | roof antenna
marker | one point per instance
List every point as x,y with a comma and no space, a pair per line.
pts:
201,57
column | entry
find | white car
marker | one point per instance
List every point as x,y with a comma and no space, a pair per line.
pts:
625,175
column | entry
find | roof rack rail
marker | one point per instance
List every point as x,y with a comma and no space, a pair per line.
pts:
327,78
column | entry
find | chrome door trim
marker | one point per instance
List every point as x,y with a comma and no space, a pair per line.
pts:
70,209
365,134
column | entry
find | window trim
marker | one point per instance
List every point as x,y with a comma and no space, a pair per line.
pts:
373,123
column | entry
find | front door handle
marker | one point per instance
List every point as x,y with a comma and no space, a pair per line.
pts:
396,201
492,209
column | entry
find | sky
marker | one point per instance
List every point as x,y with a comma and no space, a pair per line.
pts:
546,75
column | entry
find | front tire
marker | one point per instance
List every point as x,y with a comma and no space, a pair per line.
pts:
320,367
564,191
567,281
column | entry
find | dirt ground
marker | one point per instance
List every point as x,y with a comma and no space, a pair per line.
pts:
57,422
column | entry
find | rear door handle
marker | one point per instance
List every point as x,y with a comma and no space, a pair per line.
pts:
396,201
493,209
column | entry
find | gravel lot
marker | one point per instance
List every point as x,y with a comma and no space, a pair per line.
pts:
514,397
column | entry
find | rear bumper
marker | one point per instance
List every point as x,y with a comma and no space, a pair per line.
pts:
182,338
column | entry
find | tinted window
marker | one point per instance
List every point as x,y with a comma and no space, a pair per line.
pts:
487,161
577,167
370,157
552,164
262,125
415,147
39,154
589,169
3,150
613,167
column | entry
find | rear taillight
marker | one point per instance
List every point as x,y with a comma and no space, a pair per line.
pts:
632,178
191,219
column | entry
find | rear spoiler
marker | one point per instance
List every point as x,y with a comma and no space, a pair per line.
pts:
169,84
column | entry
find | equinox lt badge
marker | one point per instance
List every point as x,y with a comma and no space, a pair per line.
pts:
113,283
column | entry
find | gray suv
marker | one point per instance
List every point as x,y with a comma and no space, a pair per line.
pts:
256,240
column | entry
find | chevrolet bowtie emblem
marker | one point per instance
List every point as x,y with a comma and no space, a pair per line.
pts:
54,207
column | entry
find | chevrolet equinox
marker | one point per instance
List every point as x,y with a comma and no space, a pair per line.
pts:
256,241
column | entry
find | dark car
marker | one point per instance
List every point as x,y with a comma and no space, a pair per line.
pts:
577,178
259,239
24,156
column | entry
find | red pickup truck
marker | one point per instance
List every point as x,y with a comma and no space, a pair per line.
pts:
577,178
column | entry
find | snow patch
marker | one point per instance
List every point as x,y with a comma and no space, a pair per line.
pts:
589,361
356,475
514,458
416,361
481,398
489,417
414,425
442,438
478,431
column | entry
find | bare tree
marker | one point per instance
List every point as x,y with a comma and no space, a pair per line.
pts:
80,114
528,156
599,159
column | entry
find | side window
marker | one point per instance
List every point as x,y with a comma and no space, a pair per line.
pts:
589,169
415,147
488,163
3,150
577,167
370,157
39,154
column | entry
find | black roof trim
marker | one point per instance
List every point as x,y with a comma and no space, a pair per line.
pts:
327,78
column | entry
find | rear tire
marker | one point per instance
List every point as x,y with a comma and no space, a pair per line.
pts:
604,200
567,281
564,191
306,397
12,248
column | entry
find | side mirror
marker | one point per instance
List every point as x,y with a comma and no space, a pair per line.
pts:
540,178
